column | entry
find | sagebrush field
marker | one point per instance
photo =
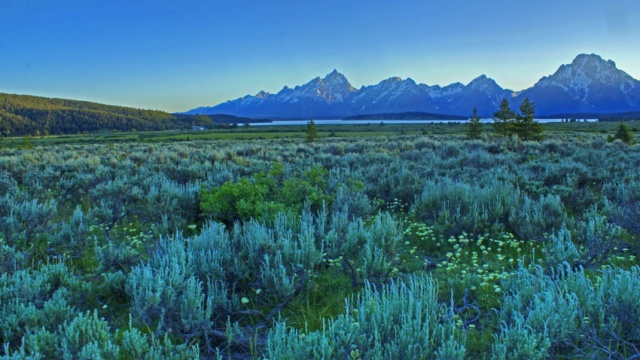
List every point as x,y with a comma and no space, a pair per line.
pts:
416,246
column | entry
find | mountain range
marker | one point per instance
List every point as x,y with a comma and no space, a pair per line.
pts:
589,84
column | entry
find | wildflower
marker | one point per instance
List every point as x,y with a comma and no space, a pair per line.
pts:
244,300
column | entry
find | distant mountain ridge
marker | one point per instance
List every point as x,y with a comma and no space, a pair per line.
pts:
588,85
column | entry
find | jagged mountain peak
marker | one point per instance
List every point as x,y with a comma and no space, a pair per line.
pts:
334,74
482,77
588,84
335,78
586,68
585,71
393,79
396,80
591,59
482,81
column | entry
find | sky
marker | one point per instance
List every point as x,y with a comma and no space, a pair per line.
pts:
178,55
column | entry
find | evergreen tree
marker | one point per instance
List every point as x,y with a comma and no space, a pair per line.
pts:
525,126
623,134
474,128
503,119
311,132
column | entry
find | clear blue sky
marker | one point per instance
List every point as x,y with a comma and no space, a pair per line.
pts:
177,55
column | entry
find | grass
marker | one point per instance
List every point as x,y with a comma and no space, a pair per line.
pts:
325,298
296,131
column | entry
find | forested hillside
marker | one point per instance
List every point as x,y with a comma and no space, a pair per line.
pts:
32,115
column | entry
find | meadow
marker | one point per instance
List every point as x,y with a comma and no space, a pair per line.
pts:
365,129
373,242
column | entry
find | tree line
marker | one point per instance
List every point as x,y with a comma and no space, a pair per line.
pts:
506,122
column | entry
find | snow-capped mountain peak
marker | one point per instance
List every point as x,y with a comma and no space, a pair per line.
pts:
587,84
482,81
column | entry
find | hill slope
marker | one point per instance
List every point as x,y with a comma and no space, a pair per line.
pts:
33,115
23,114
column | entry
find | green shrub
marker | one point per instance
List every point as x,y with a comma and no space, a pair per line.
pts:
240,201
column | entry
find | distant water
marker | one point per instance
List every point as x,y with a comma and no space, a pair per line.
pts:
377,122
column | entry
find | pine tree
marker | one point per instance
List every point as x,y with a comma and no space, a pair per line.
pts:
623,134
311,132
503,119
474,128
525,126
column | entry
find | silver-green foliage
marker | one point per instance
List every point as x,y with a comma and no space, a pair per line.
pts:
598,236
34,299
51,200
401,320
191,285
25,220
366,251
569,313
532,219
89,336
561,248
457,206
